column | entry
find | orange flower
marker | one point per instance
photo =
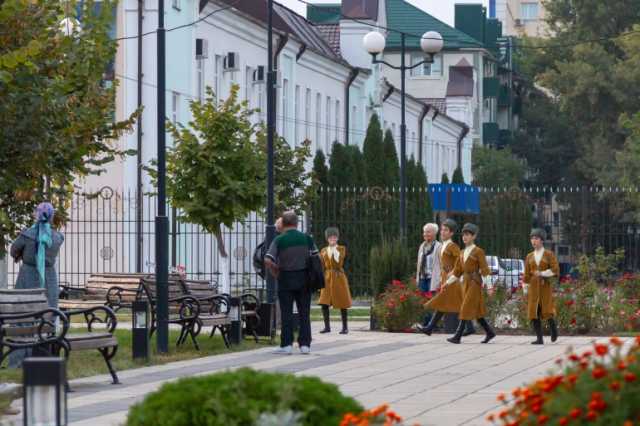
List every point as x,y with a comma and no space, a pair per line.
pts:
502,414
516,392
572,378
601,350
628,423
501,397
638,340
575,413
563,421
598,372
491,417
615,341
629,377
614,386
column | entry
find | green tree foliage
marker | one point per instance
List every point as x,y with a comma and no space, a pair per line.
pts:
320,171
457,177
496,168
340,164
56,113
215,174
391,164
444,179
373,152
388,261
294,186
629,160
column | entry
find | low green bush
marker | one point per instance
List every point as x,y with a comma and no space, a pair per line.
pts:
240,398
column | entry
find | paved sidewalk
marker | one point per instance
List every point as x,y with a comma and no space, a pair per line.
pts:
425,379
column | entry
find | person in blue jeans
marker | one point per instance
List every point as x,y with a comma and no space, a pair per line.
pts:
287,260
428,265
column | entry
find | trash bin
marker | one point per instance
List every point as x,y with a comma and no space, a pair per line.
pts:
450,323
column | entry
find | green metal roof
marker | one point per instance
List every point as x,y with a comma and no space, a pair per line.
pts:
324,13
410,19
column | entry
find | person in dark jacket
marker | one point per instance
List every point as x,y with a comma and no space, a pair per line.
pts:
37,248
287,260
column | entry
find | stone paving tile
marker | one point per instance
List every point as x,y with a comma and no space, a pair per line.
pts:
425,379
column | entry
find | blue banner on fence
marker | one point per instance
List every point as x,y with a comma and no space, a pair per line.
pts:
455,198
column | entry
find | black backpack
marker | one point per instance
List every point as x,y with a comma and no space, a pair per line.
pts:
258,260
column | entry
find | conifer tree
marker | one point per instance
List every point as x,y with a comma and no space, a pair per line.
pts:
391,165
373,153
457,176
445,179
320,171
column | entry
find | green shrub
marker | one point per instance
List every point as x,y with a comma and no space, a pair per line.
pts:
401,306
389,261
239,398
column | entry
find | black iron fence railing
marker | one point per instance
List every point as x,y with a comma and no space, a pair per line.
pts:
103,234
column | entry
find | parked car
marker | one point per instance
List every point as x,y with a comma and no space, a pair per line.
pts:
507,272
512,271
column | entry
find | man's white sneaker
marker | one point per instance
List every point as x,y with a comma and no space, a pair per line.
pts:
283,350
305,350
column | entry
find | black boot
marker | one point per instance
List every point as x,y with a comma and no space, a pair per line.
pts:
489,333
456,337
554,329
343,313
537,327
469,330
325,316
432,323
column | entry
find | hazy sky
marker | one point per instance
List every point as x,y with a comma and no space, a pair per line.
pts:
441,9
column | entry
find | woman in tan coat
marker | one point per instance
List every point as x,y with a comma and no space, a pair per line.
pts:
336,286
472,268
449,298
539,267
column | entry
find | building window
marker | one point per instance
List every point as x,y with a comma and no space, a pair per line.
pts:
175,105
426,70
260,105
337,122
176,4
327,133
529,11
296,117
285,107
217,76
200,78
318,119
307,114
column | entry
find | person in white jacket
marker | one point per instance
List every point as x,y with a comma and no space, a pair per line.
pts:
428,264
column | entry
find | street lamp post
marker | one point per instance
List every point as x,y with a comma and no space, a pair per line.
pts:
162,222
271,77
430,43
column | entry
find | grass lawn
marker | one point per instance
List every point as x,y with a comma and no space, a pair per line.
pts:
355,314
91,363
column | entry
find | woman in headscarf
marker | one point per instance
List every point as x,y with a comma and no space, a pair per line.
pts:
336,290
38,247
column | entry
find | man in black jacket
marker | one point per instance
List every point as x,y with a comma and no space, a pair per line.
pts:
287,260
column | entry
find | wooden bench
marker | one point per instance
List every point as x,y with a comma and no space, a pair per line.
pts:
26,322
116,290
214,308
183,308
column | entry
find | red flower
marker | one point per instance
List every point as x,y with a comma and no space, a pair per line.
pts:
614,386
574,358
569,302
575,413
630,377
543,419
587,354
563,421
622,366
601,350
573,321
592,415
403,298
598,373
397,283
615,341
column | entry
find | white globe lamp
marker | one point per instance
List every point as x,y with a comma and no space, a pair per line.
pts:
431,42
374,42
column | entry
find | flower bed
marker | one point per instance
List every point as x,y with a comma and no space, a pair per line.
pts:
599,387
400,306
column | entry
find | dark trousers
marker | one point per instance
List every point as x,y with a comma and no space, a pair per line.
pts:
292,288
424,285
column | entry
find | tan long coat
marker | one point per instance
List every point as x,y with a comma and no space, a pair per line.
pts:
471,273
336,286
540,291
449,298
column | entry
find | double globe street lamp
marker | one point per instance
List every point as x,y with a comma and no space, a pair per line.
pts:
431,43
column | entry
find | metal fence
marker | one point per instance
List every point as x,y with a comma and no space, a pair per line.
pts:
104,235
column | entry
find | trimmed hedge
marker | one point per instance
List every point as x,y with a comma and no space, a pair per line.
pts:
239,398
